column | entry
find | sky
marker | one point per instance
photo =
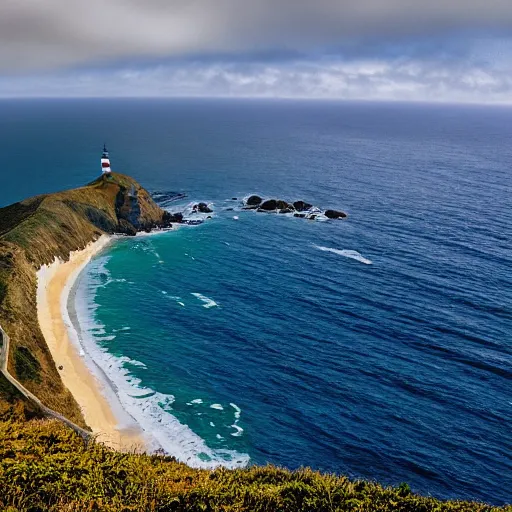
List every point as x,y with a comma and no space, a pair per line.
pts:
407,50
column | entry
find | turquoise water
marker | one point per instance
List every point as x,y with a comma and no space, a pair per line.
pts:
378,347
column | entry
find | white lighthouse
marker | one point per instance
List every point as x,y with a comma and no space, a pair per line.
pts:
105,161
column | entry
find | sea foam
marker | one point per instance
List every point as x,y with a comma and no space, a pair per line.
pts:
354,255
151,410
208,303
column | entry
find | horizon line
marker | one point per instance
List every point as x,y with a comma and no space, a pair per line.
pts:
439,102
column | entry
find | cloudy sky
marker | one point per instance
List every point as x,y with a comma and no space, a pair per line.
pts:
428,50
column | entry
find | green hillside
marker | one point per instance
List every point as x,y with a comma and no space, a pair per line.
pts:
44,466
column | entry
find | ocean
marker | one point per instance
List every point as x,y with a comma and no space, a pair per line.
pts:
379,347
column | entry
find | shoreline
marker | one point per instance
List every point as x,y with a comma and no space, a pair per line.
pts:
56,284
122,415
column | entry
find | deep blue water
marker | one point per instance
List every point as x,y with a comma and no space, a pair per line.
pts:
398,370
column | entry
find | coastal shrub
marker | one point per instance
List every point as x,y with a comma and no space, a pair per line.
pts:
26,365
47,467
3,291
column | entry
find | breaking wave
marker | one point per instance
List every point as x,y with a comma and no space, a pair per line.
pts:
354,255
129,398
208,303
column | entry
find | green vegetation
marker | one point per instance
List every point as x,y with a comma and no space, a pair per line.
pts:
16,213
46,467
27,366
13,407
3,291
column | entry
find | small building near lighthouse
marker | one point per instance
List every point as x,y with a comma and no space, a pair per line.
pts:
105,161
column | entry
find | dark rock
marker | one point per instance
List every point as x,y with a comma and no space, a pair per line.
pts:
254,201
335,214
61,367
202,208
229,209
302,206
275,204
286,210
169,218
283,205
234,199
268,205
209,217
312,217
126,228
128,207
300,215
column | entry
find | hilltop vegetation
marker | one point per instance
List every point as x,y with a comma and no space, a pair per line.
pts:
46,467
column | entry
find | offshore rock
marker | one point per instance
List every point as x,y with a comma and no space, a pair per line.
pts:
268,206
202,208
275,204
302,206
165,198
335,214
254,201
284,205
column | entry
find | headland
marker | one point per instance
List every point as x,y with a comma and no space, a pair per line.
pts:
45,242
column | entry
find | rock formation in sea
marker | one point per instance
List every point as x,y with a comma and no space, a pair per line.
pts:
201,208
300,209
253,201
335,214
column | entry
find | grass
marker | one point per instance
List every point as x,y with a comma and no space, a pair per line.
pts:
3,291
46,467
12,215
27,366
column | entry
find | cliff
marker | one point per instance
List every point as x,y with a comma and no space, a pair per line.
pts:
34,232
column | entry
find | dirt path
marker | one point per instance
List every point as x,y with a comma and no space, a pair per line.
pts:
4,358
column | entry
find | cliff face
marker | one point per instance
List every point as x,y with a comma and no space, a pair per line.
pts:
32,233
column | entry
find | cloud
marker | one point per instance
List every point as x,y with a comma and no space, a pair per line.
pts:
364,79
52,34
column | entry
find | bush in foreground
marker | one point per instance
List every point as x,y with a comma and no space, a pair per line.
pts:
46,467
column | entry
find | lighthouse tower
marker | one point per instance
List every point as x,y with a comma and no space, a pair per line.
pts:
105,161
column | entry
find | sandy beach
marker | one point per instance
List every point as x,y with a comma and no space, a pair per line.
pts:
55,282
